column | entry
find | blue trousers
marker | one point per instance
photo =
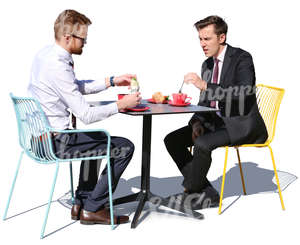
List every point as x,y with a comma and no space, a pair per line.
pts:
92,192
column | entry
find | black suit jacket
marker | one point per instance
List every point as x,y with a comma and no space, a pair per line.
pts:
236,96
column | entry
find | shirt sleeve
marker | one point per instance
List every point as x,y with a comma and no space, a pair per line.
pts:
66,87
90,86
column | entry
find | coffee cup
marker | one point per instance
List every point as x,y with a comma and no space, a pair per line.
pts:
181,98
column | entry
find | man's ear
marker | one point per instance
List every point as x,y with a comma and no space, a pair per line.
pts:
222,38
67,38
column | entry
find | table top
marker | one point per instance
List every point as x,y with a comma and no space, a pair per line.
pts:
158,109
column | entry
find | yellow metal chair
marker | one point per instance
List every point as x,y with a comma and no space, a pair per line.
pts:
268,99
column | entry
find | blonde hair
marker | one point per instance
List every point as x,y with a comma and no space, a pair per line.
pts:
69,22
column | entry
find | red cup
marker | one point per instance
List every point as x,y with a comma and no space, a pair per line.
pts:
181,98
120,96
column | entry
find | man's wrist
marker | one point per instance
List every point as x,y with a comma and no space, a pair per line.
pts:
120,105
202,85
110,82
205,85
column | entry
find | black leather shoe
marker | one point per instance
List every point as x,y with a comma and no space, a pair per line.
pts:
208,198
75,212
100,217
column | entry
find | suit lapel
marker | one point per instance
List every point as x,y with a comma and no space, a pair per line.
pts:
208,69
207,72
227,60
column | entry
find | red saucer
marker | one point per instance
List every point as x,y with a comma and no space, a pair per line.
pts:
185,104
154,102
138,108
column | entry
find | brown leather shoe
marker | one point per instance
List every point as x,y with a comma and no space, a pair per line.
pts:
75,212
100,217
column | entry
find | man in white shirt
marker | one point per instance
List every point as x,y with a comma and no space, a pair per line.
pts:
54,84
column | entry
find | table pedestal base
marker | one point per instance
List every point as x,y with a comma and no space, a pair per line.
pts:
143,196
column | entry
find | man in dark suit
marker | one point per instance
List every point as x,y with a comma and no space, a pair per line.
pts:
227,82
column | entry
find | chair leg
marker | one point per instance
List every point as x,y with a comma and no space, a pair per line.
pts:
277,180
71,179
110,195
223,180
241,171
50,200
13,185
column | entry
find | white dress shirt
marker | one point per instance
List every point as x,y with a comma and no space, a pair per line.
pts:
54,85
220,65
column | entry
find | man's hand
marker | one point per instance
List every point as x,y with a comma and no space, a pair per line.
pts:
124,80
128,101
193,78
197,129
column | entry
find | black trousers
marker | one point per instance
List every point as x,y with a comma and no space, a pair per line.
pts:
195,167
92,194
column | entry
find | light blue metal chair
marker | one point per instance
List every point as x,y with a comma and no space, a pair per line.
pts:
35,140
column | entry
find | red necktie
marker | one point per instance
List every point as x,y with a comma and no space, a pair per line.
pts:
73,117
215,80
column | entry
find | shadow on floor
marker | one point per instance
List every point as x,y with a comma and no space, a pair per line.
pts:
257,180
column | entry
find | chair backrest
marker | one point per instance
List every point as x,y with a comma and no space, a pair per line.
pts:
33,127
269,99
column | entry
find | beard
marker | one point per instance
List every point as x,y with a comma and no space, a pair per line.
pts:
77,51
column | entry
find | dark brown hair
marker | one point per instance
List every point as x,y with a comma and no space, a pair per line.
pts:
220,25
68,22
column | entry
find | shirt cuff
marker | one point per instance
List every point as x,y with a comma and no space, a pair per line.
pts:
113,108
100,85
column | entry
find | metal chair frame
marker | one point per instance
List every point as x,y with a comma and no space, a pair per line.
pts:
269,100
35,140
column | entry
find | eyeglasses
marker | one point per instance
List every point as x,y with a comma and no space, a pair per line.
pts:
81,38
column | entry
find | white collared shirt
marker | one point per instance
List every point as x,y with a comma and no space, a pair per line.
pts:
54,85
220,64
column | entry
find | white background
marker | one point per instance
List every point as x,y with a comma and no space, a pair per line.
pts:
157,41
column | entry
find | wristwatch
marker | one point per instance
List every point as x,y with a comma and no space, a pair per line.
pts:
111,80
